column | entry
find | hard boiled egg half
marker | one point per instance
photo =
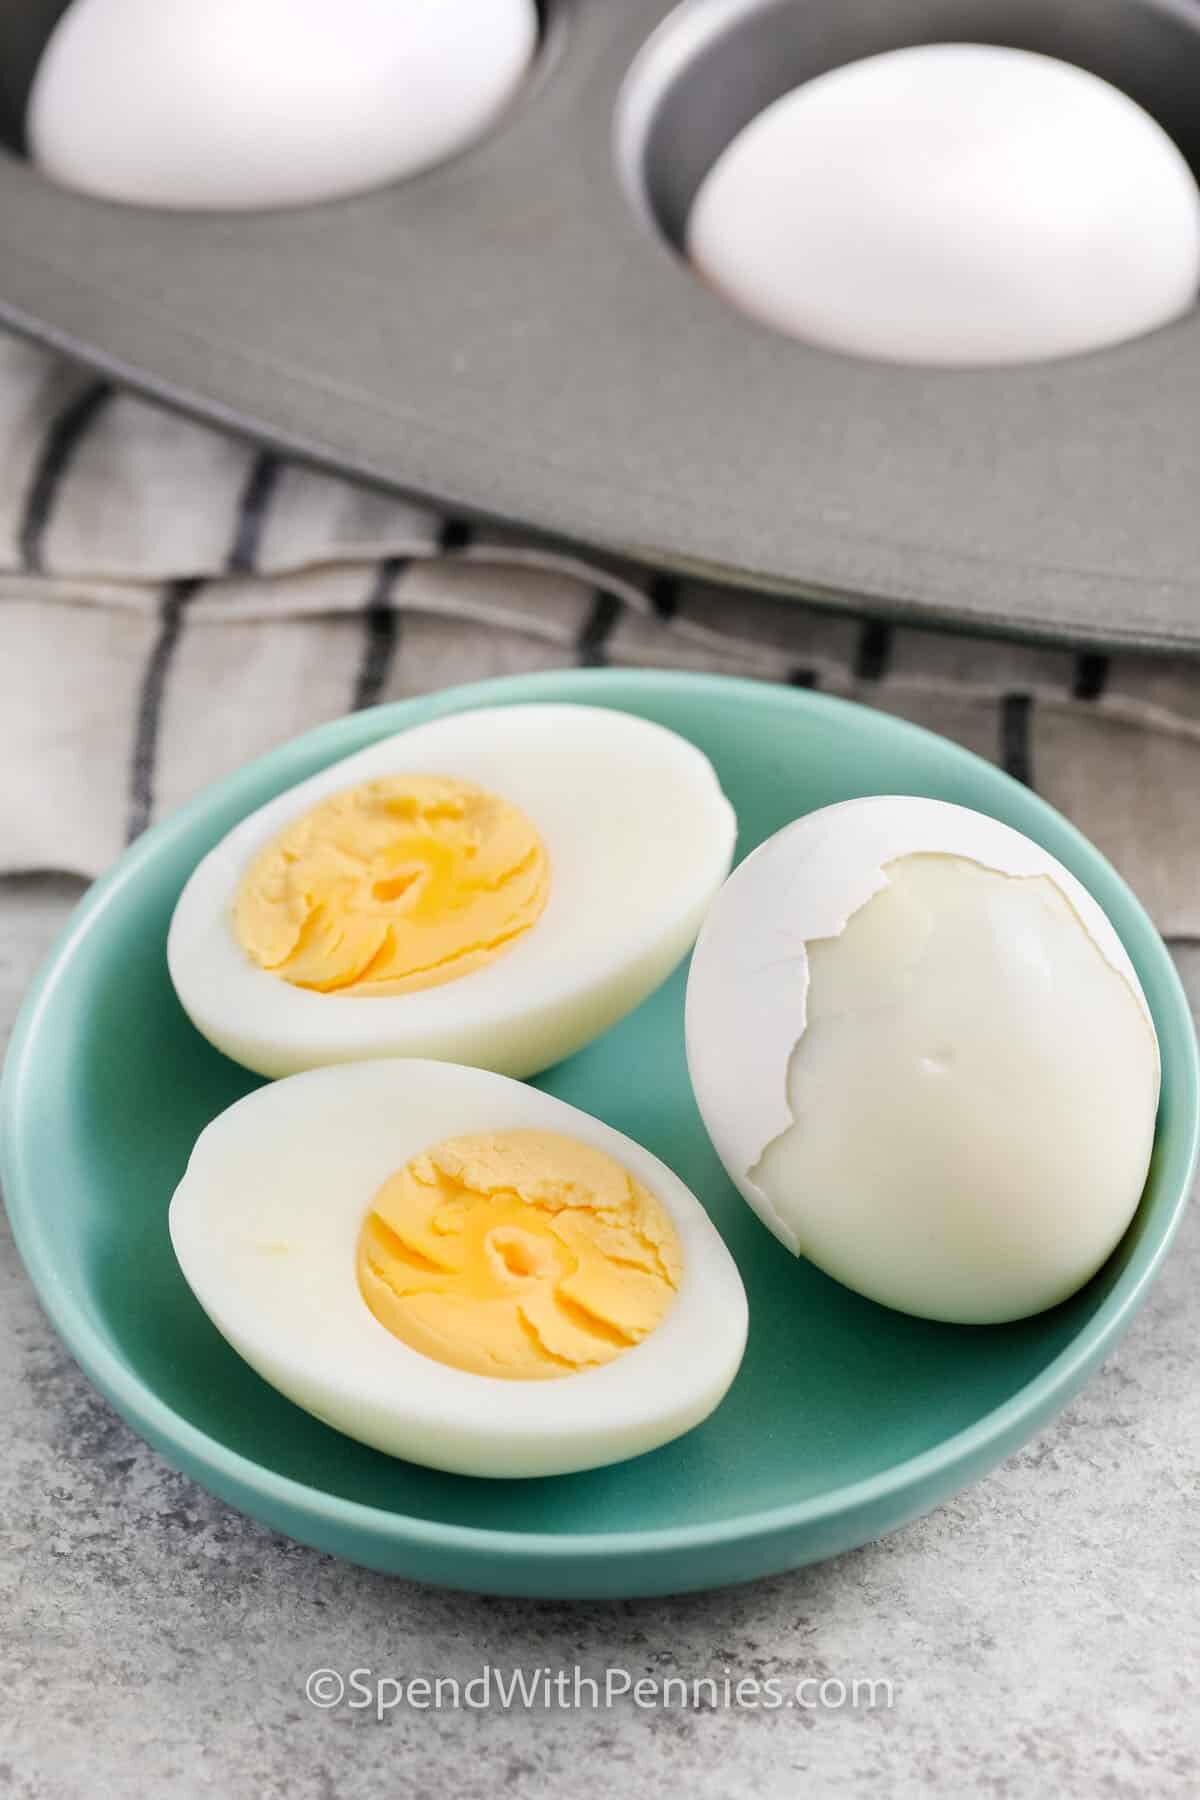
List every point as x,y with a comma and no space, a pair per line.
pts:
494,887
459,1269
924,1057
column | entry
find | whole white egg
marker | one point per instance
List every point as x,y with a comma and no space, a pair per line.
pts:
637,838
924,1058
952,204
265,1224
266,103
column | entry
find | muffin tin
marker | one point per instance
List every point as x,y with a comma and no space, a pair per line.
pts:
515,334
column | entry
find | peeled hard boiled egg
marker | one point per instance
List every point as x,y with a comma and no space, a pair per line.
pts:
262,103
954,204
495,887
924,1058
458,1269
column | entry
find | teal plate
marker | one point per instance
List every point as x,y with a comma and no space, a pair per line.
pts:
846,1419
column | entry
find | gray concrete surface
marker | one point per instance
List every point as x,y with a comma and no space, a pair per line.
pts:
1042,1632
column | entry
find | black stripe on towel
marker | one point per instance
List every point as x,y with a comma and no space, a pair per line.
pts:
664,597
1091,675
382,626
261,481
455,536
598,627
172,609
62,439
1016,753
874,651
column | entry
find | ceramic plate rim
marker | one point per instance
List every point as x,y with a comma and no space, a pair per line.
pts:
163,1426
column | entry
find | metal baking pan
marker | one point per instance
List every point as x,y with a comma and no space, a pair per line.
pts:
516,335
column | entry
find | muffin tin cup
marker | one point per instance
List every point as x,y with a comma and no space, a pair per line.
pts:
515,334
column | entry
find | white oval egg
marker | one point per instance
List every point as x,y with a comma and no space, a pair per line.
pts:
924,1058
956,204
265,1224
265,103
638,837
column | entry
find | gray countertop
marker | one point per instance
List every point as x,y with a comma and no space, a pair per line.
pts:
1041,1633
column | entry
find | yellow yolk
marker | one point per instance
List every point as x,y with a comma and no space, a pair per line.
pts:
400,884
518,1253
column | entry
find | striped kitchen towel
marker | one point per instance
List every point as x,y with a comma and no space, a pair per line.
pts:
173,603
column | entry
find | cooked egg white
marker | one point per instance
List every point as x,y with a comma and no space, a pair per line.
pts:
495,887
458,1269
264,103
924,1057
952,204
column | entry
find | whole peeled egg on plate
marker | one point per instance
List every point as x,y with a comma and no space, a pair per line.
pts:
459,1269
266,103
952,204
494,887
924,1058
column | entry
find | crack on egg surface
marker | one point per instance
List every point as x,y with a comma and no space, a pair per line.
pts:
955,1032
888,946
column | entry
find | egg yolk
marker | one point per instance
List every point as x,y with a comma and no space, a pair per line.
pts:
402,883
522,1254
